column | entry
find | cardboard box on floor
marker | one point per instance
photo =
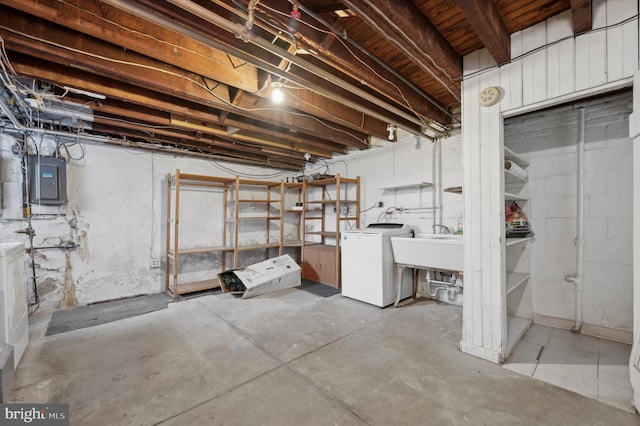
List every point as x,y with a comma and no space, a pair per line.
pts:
270,275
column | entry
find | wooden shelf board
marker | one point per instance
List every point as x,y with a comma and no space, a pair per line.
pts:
515,280
189,177
313,217
255,218
330,181
294,243
197,250
254,182
347,218
261,201
258,246
197,286
323,234
516,328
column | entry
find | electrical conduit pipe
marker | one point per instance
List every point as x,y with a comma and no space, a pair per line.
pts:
577,278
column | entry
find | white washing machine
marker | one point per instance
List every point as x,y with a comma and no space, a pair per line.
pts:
14,312
368,269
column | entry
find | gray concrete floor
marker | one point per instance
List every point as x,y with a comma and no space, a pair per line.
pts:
289,358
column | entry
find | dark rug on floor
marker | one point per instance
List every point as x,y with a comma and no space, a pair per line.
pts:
100,313
318,289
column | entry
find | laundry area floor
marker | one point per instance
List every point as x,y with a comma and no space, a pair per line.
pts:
594,367
288,358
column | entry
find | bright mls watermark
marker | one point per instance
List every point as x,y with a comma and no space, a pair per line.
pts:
34,414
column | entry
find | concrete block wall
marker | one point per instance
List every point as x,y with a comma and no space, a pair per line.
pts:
547,139
408,161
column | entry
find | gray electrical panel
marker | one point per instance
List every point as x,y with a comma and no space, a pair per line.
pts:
47,180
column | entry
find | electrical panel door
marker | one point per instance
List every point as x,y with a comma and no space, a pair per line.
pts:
47,180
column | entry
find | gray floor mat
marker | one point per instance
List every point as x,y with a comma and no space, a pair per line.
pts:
88,316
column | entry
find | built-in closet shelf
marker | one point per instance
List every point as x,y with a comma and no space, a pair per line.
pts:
511,178
417,185
513,197
516,328
515,241
512,156
515,280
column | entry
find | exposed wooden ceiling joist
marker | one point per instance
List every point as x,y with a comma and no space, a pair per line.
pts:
402,24
176,75
484,17
581,16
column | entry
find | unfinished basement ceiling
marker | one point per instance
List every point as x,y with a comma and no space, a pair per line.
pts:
198,75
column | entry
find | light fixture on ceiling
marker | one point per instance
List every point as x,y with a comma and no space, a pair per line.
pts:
392,131
277,95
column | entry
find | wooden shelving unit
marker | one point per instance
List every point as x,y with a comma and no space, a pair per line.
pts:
174,251
323,220
265,206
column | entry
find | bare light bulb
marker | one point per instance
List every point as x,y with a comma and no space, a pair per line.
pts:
277,95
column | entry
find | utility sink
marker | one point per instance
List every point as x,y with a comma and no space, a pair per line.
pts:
429,251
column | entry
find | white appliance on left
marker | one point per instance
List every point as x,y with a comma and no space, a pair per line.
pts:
14,311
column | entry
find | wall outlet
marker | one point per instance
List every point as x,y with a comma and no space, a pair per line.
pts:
155,263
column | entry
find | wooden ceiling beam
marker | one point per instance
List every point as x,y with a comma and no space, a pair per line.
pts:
132,68
136,96
104,22
244,154
406,27
581,16
485,19
357,65
142,113
200,22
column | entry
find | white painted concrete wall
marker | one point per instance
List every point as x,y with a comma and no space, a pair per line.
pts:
549,67
406,162
116,213
547,140
402,163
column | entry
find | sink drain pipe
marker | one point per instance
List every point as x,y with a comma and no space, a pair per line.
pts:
577,278
451,286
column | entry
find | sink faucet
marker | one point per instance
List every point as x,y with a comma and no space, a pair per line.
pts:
443,229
